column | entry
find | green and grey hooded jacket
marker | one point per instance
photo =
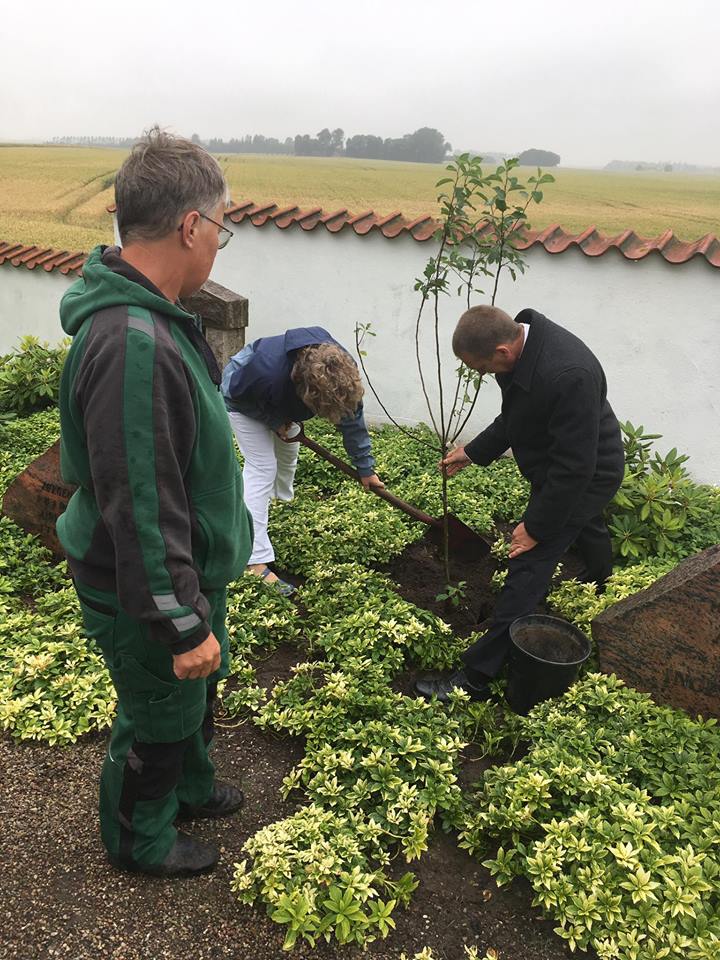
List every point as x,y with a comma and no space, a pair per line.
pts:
158,516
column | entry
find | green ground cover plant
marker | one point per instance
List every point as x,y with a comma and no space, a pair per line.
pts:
350,525
470,953
659,511
379,767
614,817
24,439
30,377
612,814
53,685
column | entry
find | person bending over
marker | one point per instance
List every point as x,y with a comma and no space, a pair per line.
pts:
567,443
273,383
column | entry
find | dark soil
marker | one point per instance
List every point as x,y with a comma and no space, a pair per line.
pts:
420,575
61,898
549,644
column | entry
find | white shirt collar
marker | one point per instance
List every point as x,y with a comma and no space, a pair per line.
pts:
526,331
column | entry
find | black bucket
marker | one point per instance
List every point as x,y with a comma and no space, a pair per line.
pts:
545,657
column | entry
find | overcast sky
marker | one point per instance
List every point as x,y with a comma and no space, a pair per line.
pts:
614,79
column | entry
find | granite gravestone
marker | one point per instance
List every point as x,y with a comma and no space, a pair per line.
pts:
36,498
665,640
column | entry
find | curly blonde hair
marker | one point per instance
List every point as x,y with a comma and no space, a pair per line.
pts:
327,381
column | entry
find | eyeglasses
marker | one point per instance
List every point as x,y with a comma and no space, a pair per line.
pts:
224,234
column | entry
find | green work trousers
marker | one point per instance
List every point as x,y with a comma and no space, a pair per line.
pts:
158,751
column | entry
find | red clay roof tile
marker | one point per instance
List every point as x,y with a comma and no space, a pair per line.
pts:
552,239
20,255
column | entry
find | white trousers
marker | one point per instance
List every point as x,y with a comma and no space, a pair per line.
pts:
268,473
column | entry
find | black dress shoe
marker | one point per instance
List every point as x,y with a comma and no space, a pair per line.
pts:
224,800
441,687
187,858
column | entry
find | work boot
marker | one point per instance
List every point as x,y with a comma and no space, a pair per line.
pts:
187,858
224,800
441,687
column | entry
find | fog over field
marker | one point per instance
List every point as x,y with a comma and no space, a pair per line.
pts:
591,82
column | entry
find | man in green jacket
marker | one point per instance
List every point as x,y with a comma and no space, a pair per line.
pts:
157,527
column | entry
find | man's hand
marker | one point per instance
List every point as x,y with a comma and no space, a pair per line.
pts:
521,541
199,662
455,461
372,482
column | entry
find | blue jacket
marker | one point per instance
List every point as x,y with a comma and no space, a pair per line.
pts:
257,383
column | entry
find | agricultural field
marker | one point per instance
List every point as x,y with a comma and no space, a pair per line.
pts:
58,196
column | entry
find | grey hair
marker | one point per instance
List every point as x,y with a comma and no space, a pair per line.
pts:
162,179
481,330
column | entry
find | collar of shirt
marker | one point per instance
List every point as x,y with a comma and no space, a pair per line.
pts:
522,373
526,330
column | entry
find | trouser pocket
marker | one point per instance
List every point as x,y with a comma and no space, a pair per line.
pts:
160,707
162,711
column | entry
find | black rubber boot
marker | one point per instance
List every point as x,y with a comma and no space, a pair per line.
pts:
441,687
187,858
224,801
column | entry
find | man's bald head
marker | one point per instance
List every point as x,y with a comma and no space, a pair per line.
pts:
488,340
481,330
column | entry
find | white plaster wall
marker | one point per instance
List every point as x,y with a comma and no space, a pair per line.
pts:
654,326
29,301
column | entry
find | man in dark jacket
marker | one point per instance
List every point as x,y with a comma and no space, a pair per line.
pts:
157,527
567,443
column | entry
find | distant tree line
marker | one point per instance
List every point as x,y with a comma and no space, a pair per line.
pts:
664,166
538,158
256,143
124,142
425,145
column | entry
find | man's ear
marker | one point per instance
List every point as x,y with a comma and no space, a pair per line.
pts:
188,228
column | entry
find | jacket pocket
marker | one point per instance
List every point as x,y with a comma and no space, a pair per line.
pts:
226,535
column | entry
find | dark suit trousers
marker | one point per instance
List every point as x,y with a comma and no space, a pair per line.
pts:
527,582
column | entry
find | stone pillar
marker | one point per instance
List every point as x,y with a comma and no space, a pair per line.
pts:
224,315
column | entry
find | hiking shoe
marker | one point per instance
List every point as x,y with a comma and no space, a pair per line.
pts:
441,687
224,801
187,858
284,588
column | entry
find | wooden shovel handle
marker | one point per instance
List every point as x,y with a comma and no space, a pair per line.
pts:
345,468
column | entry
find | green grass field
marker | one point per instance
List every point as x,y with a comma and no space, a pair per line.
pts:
57,196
